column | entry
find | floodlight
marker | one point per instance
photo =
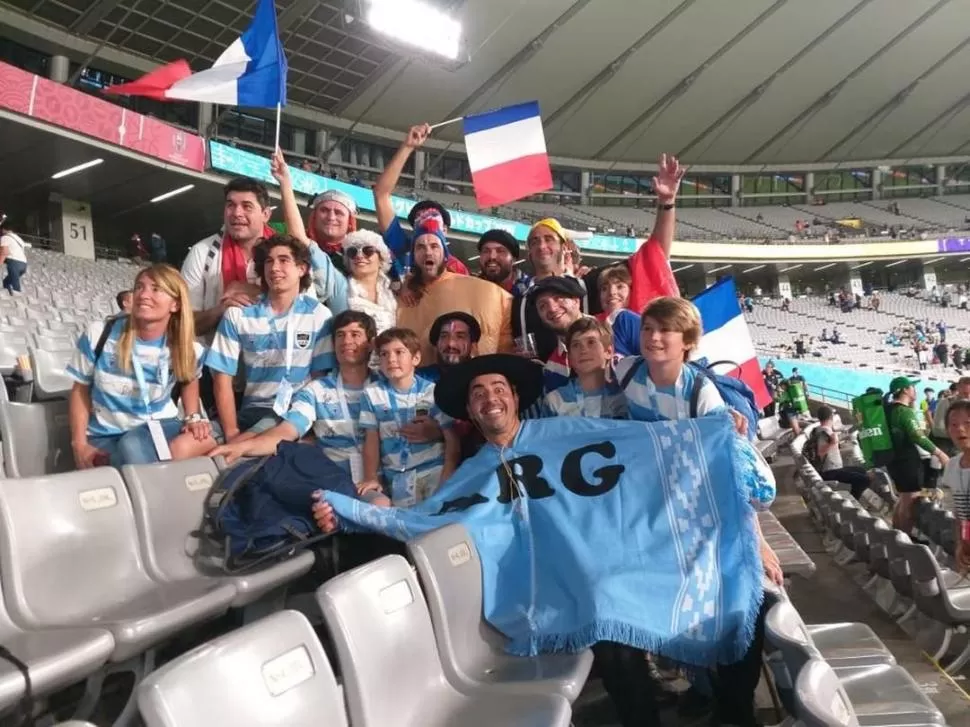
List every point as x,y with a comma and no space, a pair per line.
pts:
79,168
415,23
174,192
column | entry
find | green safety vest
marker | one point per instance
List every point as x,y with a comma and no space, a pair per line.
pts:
874,437
795,391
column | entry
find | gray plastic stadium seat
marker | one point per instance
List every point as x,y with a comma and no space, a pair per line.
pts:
820,700
36,438
382,631
55,657
167,500
882,694
55,342
271,672
50,373
75,723
11,346
472,652
69,557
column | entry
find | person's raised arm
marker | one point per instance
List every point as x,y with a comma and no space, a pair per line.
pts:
385,184
291,210
666,183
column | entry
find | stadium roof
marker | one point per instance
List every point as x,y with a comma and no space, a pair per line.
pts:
745,82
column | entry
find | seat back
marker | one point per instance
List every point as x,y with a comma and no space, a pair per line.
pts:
50,372
898,564
167,499
271,672
450,570
11,346
67,546
928,585
786,631
820,700
36,438
379,622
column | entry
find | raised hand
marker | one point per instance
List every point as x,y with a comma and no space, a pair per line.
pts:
417,135
667,180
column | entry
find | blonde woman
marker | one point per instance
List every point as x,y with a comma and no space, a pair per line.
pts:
125,376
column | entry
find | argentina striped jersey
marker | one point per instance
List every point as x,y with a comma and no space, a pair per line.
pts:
571,401
117,404
648,402
256,337
317,406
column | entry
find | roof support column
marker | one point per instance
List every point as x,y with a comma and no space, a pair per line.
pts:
59,69
584,187
877,183
940,179
809,187
735,190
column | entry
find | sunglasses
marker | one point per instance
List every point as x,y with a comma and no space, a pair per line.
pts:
353,251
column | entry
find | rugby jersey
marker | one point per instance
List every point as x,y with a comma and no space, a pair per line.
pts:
117,404
317,406
648,402
377,412
957,478
257,337
571,401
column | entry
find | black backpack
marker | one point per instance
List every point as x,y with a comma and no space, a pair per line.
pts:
810,450
259,512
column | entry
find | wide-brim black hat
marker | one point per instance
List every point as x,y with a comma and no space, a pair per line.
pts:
474,330
451,392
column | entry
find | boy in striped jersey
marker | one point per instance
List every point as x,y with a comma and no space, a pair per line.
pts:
329,406
956,476
400,470
281,341
590,346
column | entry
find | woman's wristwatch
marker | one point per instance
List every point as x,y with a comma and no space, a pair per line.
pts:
193,418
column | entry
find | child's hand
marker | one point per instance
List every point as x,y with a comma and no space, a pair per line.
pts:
368,486
740,422
323,514
422,429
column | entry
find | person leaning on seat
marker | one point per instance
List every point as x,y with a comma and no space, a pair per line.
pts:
124,391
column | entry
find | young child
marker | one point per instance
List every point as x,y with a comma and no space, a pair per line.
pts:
589,344
956,476
614,291
404,461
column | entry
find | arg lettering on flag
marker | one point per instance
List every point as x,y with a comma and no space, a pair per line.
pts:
507,154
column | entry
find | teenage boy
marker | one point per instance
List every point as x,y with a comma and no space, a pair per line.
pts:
281,341
409,470
956,476
590,346
329,406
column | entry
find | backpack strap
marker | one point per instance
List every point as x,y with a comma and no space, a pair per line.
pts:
109,325
628,377
210,257
25,709
700,373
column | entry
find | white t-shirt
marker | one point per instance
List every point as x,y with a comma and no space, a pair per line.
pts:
16,248
957,478
203,275
833,458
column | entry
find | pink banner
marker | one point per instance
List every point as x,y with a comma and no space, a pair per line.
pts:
62,106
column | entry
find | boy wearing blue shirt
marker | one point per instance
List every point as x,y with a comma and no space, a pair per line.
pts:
399,469
281,341
589,343
329,407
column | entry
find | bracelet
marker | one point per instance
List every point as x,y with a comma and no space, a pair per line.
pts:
193,418
668,206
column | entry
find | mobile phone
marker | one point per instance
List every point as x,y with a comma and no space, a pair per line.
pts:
421,412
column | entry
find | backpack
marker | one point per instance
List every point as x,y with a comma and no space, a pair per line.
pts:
736,394
259,512
810,450
872,413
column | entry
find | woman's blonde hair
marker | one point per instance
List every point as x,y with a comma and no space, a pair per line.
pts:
180,332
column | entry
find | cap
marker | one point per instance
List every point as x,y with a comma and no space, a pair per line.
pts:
553,224
335,195
474,330
900,383
427,204
559,284
503,238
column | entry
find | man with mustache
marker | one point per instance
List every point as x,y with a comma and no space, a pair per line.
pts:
498,251
455,337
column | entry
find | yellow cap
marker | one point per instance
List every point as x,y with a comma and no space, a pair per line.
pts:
553,224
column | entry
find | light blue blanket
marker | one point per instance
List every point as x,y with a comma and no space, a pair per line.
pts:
634,532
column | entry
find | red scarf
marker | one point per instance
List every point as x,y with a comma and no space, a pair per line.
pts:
234,259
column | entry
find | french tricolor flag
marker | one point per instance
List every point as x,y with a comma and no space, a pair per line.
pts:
726,338
250,72
507,154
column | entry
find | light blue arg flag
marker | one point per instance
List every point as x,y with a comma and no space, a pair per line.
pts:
594,530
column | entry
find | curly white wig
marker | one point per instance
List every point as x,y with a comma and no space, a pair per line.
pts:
363,238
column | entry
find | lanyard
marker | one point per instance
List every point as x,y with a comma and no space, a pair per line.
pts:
290,340
408,416
163,372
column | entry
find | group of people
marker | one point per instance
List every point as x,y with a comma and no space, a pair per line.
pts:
384,351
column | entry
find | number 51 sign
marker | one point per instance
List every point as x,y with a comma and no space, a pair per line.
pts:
76,228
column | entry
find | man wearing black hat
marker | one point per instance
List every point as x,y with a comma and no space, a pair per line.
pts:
497,252
455,337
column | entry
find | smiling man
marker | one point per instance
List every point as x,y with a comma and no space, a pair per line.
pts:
455,337
433,291
498,252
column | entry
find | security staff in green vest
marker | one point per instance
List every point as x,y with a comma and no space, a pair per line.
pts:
908,468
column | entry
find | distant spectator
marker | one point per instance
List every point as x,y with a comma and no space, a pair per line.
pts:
825,335
137,248
799,347
836,338
942,353
928,407
956,355
159,250
773,380
123,299
757,291
749,304
962,300
941,329
874,301
828,457
13,253
786,305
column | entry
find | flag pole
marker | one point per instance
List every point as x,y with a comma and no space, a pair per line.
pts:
445,123
279,110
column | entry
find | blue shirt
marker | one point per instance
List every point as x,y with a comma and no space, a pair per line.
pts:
431,373
648,402
117,403
257,337
626,333
329,283
570,400
336,426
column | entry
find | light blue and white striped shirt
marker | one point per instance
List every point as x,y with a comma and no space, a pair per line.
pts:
318,406
571,401
386,410
648,402
259,338
117,404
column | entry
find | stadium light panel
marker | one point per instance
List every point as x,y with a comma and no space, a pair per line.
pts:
751,270
717,270
168,195
680,270
473,258
417,24
790,267
934,260
964,259
79,168
861,265
826,267
898,262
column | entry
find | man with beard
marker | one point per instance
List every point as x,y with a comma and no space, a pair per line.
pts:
497,252
455,337
434,291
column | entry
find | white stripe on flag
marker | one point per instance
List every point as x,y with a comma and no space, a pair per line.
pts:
730,342
217,84
505,143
